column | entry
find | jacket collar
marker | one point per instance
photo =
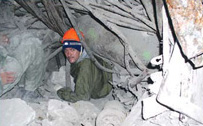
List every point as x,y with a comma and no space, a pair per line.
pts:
83,56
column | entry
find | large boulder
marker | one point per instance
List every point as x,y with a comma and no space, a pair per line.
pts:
103,42
15,112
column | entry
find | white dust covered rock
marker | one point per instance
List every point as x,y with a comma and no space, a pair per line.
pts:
88,112
60,113
113,114
15,112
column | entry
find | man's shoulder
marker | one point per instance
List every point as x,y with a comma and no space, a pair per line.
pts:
85,61
84,64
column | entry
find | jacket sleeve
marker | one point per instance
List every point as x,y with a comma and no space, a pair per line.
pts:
83,84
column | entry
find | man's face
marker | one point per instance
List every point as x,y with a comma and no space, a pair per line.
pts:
72,54
4,40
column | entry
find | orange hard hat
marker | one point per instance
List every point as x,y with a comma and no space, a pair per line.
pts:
71,35
71,40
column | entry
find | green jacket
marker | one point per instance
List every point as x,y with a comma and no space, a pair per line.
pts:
90,82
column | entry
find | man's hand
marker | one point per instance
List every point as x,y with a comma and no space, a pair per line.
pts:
7,77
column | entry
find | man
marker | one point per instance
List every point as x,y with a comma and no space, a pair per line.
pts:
90,82
21,62
6,77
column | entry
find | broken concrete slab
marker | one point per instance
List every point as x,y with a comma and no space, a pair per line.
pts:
152,108
181,88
